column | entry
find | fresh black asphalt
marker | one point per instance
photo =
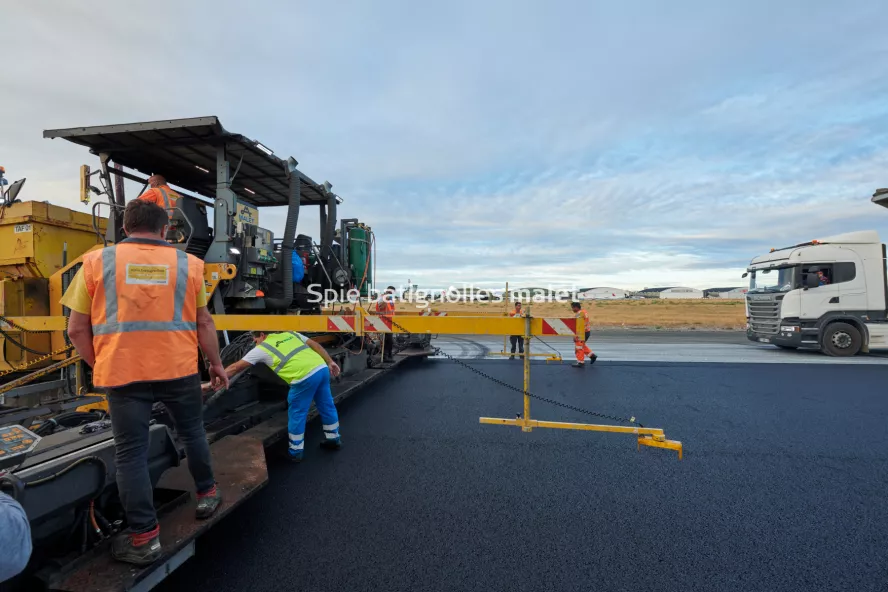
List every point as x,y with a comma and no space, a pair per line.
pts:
783,487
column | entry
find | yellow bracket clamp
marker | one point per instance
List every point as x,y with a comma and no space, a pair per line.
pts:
660,443
646,436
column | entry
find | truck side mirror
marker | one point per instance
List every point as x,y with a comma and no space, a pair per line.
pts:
811,280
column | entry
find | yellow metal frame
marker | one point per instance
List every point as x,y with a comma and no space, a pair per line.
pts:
654,437
215,273
491,325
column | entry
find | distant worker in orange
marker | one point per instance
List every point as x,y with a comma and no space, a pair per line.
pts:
385,307
516,340
160,194
138,314
580,348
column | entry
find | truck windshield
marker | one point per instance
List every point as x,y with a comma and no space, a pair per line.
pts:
780,279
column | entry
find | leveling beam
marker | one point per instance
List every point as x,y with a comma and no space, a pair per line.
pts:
646,436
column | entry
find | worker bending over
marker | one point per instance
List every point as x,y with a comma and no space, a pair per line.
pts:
161,195
385,307
516,339
138,313
306,366
580,348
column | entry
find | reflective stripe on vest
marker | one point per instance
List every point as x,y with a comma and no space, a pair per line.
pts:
166,199
109,280
300,367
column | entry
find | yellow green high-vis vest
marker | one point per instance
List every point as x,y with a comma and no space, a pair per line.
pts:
293,359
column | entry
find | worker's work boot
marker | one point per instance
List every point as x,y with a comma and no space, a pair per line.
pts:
208,502
138,549
511,357
578,365
592,358
332,444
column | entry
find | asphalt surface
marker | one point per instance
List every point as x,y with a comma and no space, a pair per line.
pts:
658,346
782,487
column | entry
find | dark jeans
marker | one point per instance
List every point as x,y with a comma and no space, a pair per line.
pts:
519,341
130,408
388,345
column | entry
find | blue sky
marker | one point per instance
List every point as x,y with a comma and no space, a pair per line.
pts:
574,143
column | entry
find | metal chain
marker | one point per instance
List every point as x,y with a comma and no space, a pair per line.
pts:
5,320
36,360
630,420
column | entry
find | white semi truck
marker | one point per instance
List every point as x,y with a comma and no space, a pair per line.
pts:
829,294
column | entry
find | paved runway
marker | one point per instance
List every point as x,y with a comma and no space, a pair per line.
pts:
782,487
658,346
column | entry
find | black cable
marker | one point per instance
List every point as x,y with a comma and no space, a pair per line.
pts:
22,329
529,394
22,346
103,522
80,461
61,420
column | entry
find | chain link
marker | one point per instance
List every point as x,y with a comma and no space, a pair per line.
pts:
36,360
438,351
17,327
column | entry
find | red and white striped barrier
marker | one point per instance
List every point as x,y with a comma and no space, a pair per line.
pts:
377,325
430,313
343,324
560,327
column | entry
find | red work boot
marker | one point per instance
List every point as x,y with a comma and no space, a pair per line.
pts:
138,549
208,502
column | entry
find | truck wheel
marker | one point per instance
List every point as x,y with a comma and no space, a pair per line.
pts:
841,340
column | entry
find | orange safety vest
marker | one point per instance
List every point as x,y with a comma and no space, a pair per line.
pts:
162,196
144,311
585,316
516,313
385,307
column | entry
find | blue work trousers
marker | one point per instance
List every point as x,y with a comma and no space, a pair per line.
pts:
315,387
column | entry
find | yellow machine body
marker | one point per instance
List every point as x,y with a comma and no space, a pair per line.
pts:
36,238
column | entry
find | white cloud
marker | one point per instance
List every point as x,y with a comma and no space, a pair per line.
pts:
628,144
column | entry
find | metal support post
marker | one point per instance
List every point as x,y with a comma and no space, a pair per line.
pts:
508,303
114,228
526,427
224,207
79,379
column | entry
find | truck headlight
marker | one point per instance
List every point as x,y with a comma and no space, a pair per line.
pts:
789,329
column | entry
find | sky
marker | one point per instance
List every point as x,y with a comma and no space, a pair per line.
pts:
567,143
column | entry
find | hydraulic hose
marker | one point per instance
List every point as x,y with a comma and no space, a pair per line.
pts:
330,226
289,241
65,420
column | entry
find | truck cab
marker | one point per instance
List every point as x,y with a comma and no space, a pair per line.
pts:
827,294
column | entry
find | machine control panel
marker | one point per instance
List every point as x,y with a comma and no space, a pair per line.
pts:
15,443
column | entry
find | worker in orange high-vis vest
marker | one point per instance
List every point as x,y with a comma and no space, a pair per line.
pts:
580,348
385,307
138,314
161,195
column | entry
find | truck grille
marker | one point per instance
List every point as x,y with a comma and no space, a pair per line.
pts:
764,316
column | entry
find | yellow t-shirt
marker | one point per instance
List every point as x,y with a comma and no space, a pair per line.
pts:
77,297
